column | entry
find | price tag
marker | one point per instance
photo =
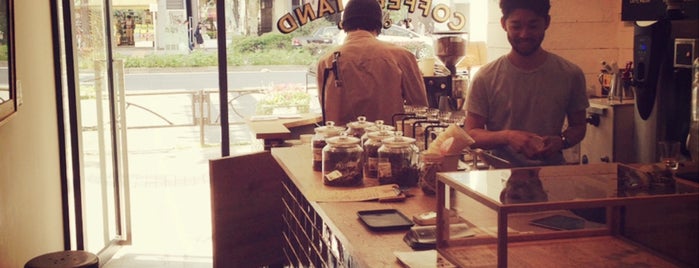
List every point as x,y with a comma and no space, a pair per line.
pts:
335,174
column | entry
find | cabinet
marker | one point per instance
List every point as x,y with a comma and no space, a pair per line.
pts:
610,132
502,208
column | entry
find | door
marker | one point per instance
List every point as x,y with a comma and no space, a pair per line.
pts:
94,136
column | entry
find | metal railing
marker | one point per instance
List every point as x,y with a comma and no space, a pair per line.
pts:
169,108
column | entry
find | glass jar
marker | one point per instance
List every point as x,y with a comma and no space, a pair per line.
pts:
318,142
342,161
398,161
358,128
377,126
430,164
371,151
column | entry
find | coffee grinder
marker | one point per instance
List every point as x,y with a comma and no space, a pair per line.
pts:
446,91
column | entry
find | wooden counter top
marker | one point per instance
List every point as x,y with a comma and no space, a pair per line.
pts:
280,128
367,248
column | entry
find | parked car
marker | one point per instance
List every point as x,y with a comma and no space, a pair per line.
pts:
324,35
420,45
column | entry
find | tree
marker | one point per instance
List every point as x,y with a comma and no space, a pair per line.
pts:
252,11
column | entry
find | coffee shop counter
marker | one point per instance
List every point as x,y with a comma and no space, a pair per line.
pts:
330,234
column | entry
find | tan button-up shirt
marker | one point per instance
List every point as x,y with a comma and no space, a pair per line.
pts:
377,79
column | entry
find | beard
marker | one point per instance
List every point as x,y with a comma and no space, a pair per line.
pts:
525,46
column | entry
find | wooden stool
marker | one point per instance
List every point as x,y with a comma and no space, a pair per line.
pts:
64,259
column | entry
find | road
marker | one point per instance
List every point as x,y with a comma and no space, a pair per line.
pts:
209,79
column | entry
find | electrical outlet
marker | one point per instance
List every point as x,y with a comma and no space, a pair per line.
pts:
20,100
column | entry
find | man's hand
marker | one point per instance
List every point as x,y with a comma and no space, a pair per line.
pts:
552,145
527,143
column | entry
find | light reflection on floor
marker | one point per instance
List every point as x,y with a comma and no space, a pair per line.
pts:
170,206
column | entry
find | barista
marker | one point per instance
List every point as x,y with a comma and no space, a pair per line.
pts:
518,103
365,76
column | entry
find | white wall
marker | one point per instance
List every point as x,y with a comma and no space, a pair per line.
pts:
30,196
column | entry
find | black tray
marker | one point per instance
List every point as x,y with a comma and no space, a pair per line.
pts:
384,220
559,222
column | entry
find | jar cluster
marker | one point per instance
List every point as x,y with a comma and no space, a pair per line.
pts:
375,150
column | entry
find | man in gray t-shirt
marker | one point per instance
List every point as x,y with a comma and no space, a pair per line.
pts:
518,103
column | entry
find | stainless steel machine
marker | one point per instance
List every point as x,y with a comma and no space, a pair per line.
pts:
663,55
447,91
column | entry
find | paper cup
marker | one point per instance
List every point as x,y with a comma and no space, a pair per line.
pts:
426,66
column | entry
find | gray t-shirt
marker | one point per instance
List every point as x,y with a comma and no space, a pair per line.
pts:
530,100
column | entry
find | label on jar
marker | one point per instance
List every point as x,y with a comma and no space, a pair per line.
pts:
384,169
334,175
317,154
372,166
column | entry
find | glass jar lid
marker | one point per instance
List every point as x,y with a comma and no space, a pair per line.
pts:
361,123
398,140
379,125
380,135
330,129
343,141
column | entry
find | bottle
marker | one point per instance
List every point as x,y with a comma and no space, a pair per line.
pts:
430,164
318,142
371,151
398,161
342,161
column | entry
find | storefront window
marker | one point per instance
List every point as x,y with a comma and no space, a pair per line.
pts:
134,27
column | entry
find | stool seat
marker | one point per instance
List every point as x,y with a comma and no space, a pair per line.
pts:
65,259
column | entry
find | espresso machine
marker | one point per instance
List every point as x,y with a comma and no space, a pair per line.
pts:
664,50
446,90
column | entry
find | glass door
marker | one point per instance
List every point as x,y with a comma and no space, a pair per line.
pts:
93,105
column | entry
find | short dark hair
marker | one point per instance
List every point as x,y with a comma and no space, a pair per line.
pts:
539,7
362,14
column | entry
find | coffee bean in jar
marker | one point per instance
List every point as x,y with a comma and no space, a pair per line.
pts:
430,164
398,158
371,151
342,161
318,142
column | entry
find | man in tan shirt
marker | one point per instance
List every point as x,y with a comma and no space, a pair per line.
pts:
366,76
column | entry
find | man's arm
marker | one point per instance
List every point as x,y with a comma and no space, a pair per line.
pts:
524,142
572,135
475,126
577,126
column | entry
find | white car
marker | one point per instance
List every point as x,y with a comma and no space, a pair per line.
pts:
420,45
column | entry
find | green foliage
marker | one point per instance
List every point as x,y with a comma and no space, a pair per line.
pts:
284,98
271,57
266,49
262,43
3,52
209,58
195,59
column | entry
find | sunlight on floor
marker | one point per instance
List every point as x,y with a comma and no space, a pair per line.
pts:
171,207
